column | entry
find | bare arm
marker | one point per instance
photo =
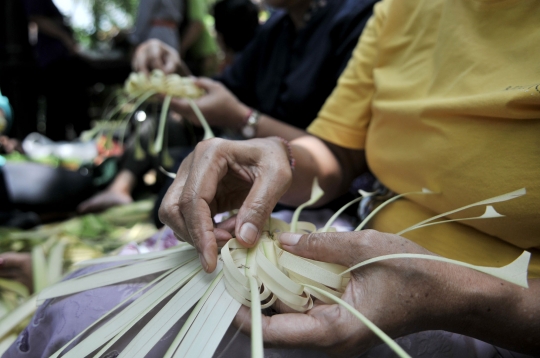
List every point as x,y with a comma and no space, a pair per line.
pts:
191,35
222,109
52,29
334,166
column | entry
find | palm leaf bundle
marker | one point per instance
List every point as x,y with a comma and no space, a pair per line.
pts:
254,277
139,89
54,248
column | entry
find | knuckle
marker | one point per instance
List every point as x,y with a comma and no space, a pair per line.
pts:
257,210
164,212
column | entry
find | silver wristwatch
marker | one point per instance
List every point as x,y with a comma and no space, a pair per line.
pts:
249,130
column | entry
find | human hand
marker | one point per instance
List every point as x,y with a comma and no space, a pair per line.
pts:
219,106
221,175
401,296
154,54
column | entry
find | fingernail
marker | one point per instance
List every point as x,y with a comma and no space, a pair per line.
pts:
203,262
289,239
248,233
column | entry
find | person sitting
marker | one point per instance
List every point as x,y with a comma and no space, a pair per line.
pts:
420,106
429,100
275,87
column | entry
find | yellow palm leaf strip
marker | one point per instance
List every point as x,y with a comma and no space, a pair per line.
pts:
306,281
118,108
490,213
15,317
207,130
135,311
210,325
140,257
329,223
139,151
305,227
383,336
14,286
276,226
143,98
497,199
181,279
316,194
391,200
309,268
257,348
158,144
180,336
165,319
286,290
117,275
515,272
39,268
55,263
135,294
166,160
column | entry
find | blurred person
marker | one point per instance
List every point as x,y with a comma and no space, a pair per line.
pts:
63,75
158,19
236,23
279,82
198,48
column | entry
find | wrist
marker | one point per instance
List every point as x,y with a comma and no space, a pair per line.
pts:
250,124
241,116
468,300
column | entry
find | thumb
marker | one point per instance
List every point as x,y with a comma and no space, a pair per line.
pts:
336,247
253,215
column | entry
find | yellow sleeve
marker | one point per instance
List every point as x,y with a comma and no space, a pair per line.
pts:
344,118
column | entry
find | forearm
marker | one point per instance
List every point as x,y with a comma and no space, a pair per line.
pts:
507,316
192,33
484,307
314,159
50,28
269,127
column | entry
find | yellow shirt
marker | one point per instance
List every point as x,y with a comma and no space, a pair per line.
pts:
445,95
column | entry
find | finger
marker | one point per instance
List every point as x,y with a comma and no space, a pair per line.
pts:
222,235
345,249
137,63
228,225
14,260
198,193
139,60
169,211
272,179
169,63
291,329
156,62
